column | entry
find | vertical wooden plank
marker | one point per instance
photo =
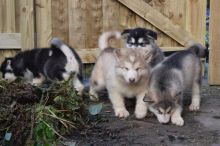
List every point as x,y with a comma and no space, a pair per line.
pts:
17,15
77,23
60,22
44,22
7,8
94,22
214,59
7,24
27,24
196,18
111,17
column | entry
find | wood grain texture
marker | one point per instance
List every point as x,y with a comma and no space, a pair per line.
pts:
10,40
111,18
27,24
77,23
214,56
157,19
94,15
43,22
196,18
60,20
7,16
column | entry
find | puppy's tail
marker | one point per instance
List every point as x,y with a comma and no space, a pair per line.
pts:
106,36
56,43
198,50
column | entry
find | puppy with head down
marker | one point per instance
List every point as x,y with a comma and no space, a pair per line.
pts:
168,81
124,72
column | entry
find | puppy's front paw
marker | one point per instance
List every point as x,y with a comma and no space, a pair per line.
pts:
121,113
194,107
140,114
93,95
177,120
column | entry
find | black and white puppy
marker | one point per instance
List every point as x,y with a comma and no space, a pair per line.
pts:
55,63
143,38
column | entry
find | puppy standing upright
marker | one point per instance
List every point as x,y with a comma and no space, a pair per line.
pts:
168,81
124,73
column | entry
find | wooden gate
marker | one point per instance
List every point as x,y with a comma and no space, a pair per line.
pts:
80,22
32,23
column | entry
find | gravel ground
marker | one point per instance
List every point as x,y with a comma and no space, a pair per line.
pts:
201,128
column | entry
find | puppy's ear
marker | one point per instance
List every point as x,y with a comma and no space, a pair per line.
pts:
8,62
151,34
125,33
148,99
118,53
148,56
178,96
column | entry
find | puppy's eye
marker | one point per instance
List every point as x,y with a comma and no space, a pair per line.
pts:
124,68
178,94
159,112
138,69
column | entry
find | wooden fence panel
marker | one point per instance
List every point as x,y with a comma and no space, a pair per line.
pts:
214,57
27,24
7,27
43,22
60,21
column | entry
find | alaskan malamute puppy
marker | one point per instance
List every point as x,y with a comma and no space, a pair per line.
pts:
124,73
143,38
36,65
168,81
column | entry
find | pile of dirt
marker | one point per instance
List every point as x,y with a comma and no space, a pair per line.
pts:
39,115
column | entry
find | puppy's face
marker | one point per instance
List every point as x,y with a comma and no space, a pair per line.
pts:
132,64
163,110
139,38
7,70
162,107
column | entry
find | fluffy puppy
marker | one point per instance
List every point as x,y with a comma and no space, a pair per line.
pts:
168,81
143,38
55,63
124,73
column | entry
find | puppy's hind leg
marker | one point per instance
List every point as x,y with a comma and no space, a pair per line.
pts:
195,104
38,79
95,86
78,85
97,83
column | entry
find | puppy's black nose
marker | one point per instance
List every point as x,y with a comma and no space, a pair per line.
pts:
131,80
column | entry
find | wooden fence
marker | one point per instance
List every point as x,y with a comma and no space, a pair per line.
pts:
32,23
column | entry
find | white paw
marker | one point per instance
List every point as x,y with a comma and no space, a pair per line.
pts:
94,97
37,81
140,115
121,113
194,107
177,120
80,91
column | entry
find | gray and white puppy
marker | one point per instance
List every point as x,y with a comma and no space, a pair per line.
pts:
143,38
168,81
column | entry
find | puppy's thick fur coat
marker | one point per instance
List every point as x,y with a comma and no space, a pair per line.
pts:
124,73
168,81
54,63
145,39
